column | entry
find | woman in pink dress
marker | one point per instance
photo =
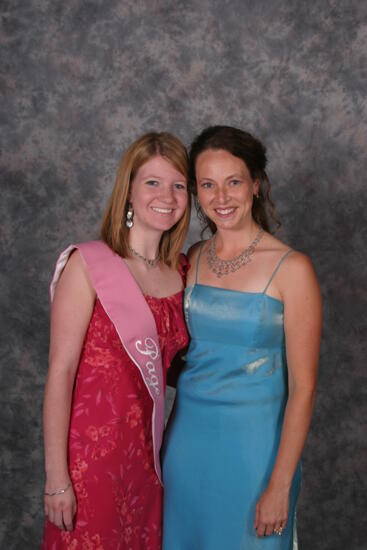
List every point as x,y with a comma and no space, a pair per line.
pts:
116,324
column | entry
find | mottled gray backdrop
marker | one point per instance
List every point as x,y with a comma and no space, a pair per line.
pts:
80,79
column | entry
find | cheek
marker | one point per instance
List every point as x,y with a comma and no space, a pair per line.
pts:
202,196
182,200
134,193
141,195
245,195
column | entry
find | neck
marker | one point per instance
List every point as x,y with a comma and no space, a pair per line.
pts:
145,242
230,241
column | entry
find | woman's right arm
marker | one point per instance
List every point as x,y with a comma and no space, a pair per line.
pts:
70,316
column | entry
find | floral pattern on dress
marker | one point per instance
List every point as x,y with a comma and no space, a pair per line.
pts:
110,450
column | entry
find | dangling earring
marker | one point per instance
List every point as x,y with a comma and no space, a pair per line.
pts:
129,222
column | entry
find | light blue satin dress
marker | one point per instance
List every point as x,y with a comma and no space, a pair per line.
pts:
224,433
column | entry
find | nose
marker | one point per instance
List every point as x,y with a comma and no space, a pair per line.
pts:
167,194
221,197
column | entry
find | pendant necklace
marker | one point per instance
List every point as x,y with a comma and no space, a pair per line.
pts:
224,267
147,261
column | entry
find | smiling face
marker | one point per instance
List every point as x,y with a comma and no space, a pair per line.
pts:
225,189
158,195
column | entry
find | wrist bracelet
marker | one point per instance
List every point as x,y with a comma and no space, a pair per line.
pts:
58,492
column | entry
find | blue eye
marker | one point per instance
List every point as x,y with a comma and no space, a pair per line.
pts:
180,186
151,182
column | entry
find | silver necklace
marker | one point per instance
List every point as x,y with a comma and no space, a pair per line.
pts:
147,261
224,267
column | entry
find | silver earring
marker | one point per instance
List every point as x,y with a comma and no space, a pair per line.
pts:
129,222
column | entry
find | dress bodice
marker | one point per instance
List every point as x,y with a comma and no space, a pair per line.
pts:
241,334
255,320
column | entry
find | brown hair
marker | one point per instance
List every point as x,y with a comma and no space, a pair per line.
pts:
252,152
114,231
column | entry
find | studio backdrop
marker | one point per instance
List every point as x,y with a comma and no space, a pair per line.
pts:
81,79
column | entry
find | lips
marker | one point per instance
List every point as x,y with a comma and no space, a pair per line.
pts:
225,212
164,211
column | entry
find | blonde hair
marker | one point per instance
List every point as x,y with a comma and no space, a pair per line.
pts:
114,231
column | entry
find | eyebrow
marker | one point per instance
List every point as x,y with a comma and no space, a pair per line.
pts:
235,175
159,177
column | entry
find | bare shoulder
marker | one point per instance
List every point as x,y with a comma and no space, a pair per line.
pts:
193,251
294,263
192,256
298,264
75,262
269,243
298,276
72,308
75,274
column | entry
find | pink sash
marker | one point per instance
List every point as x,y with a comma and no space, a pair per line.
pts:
126,307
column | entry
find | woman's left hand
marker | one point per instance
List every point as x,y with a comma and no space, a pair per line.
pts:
272,512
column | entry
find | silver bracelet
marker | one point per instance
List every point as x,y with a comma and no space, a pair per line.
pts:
58,492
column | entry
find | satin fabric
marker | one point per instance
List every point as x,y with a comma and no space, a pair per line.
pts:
224,433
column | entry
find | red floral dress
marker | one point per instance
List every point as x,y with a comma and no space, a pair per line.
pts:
110,440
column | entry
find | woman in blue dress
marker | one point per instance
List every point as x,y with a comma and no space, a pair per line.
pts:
231,463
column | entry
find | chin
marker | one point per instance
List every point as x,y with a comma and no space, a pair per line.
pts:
164,225
225,224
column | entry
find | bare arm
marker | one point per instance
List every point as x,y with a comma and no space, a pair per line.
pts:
302,325
70,315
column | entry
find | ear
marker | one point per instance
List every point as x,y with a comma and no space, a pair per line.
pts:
256,188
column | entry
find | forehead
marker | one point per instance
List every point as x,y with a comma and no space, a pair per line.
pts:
159,167
213,161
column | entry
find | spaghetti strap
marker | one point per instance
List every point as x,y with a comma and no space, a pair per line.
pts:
289,251
197,261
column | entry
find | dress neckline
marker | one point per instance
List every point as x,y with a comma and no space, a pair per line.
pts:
164,297
244,292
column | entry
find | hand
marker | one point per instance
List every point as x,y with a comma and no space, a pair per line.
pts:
60,509
272,511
